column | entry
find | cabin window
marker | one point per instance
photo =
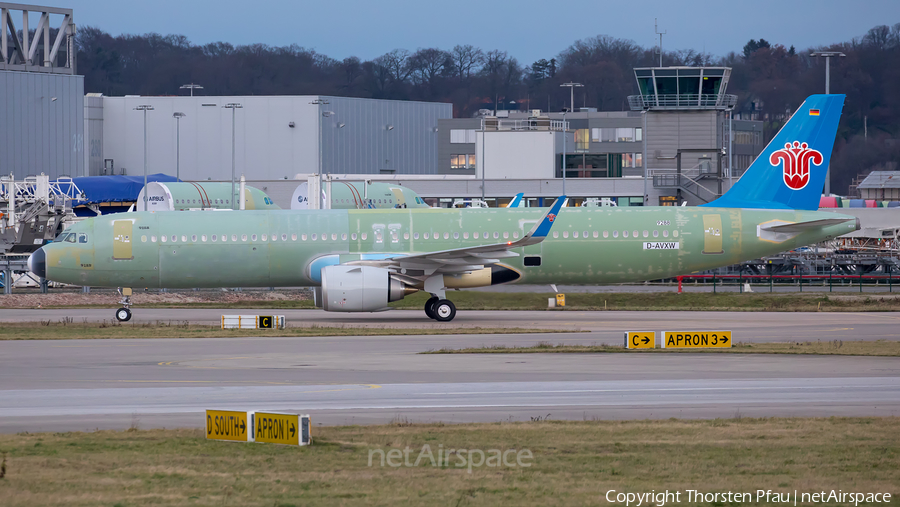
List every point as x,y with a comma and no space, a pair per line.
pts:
379,236
274,238
353,236
194,238
615,234
143,239
496,235
164,238
234,237
555,234
624,234
596,234
584,234
415,235
455,235
253,237
532,261
153,239
655,234
515,234
405,235
565,234
243,237
425,235
344,236
264,237
635,233
674,234
184,239
446,235
646,234
505,235
303,237
333,236
203,238
465,235
475,235
363,236
665,234
395,236
315,237
324,236
605,234
294,237
284,237
574,234
215,238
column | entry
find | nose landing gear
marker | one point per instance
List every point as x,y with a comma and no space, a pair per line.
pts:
124,314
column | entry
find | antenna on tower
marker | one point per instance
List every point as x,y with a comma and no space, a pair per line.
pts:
656,29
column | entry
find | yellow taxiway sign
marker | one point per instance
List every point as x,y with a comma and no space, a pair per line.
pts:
228,425
696,339
640,340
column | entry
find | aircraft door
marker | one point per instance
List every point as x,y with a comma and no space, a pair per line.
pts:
712,234
122,240
398,194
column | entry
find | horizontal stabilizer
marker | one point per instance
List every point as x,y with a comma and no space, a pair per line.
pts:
805,226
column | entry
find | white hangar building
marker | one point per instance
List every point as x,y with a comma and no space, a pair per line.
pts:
276,137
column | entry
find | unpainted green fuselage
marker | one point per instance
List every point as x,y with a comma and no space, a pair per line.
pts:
277,248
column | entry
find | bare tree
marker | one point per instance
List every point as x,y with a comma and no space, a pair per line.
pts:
466,60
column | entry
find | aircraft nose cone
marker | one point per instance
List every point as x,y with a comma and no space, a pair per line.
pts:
37,263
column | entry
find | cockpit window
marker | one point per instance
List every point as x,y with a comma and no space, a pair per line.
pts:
70,237
82,238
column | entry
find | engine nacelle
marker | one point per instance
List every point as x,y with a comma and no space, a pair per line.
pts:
360,289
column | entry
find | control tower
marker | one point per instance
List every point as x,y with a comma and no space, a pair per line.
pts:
686,129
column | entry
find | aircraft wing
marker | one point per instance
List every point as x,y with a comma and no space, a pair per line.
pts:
460,260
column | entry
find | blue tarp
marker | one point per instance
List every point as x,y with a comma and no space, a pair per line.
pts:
98,189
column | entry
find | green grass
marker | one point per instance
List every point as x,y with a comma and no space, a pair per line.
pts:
574,463
836,347
70,330
643,301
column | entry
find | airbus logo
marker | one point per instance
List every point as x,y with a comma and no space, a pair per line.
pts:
796,158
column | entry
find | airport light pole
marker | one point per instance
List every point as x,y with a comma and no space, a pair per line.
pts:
145,108
565,135
234,106
827,55
178,116
572,87
483,139
190,87
320,102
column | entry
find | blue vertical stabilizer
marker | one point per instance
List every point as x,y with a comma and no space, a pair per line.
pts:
790,171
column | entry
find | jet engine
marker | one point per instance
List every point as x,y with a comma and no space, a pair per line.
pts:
360,289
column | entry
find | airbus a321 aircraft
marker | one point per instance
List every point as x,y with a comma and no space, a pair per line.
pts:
364,259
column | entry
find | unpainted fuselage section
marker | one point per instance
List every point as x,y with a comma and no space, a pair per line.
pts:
278,248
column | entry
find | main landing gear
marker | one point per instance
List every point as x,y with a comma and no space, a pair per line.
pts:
124,314
441,310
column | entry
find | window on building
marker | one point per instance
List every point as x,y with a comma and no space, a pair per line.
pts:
608,135
625,135
462,136
582,139
462,161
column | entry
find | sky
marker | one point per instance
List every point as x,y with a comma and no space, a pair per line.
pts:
528,29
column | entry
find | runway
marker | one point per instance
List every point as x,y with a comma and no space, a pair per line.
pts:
68,385
606,325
